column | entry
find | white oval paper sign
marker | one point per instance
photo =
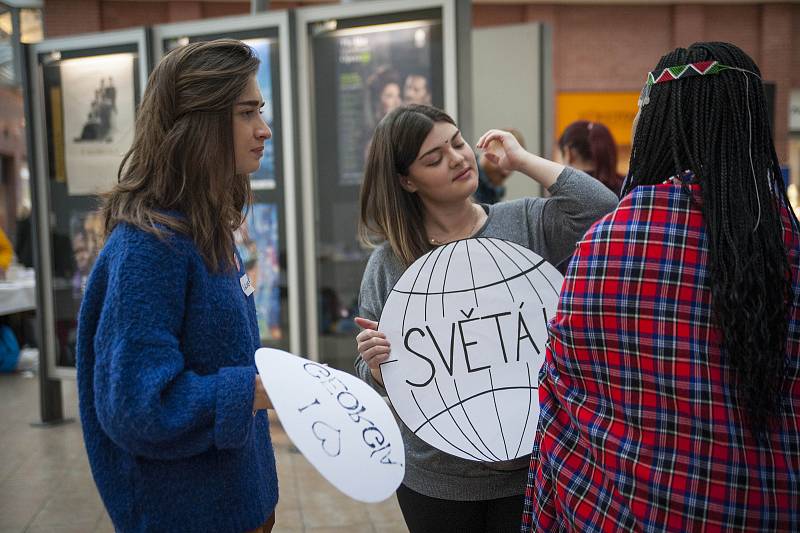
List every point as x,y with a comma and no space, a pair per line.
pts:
468,327
338,422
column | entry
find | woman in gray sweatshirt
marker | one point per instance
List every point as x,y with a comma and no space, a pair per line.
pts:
417,194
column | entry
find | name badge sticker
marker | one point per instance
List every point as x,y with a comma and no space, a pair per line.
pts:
247,287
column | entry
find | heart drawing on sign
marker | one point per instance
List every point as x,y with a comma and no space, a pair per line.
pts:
330,437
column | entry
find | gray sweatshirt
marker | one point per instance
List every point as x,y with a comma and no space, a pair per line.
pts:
550,227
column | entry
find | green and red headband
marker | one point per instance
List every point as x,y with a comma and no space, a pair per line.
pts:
702,68
679,72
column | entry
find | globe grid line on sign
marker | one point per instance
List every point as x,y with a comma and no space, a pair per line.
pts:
497,412
516,249
414,397
540,273
461,404
444,282
520,269
530,404
427,257
502,274
472,274
557,291
487,286
440,413
449,412
430,278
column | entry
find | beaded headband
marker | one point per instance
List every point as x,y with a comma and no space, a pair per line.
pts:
704,68
679,72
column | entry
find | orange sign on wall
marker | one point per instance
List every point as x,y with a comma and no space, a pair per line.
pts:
615,110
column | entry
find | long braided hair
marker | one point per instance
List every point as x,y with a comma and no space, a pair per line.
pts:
717,126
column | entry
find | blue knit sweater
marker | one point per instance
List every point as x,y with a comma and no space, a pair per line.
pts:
166,382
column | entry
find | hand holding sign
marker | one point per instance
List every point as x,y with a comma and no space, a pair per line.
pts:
340,424
372,346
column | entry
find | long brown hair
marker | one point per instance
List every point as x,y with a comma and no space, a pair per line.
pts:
388,211
179,174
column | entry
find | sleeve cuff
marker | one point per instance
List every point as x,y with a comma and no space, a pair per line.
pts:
234,413
563,178
372,382
363,371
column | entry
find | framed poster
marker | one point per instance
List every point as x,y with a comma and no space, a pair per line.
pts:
365,72
83,93
268,239
98,104
258,243
357,62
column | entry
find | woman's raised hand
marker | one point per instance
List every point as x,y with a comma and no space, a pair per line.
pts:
503,149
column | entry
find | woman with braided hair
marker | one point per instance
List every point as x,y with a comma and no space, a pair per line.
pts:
670,396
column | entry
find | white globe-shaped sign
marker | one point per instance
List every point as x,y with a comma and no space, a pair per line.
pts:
467,324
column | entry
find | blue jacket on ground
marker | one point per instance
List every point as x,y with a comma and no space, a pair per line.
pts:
166,381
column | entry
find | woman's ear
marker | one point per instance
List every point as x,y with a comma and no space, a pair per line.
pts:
407,184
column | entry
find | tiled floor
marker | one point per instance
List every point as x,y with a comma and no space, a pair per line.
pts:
46,486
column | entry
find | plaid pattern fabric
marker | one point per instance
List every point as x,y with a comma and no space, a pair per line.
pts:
638,428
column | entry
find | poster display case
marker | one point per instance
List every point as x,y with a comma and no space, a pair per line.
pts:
357,62
268,243
83,93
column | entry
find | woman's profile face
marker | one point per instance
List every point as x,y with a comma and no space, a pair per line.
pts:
250,130
390,98
445,170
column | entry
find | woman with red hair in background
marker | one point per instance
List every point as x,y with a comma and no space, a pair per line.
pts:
590,147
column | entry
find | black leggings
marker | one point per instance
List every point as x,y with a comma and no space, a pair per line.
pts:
424,514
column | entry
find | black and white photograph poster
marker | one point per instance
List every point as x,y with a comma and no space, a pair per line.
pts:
99,106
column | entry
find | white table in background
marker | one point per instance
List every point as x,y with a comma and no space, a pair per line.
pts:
17,296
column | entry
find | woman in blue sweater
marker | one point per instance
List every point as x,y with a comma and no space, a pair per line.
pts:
172,409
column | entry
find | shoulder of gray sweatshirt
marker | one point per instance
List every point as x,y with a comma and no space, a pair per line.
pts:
550,227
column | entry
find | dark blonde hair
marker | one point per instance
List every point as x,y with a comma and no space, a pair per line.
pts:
179,174
388,211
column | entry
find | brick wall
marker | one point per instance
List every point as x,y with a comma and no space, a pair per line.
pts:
180,11
775,64
611,48
69,17
224,9
120,15
597,48
796,47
